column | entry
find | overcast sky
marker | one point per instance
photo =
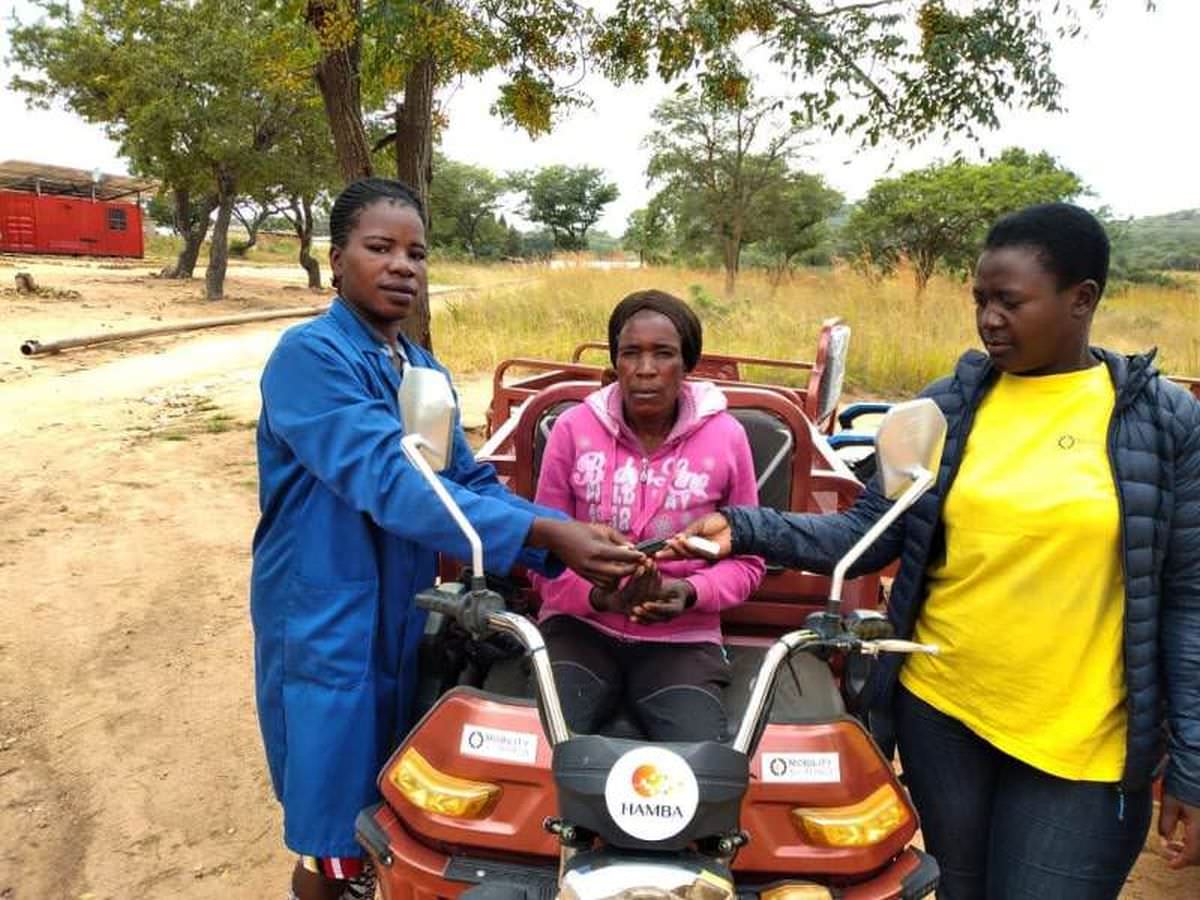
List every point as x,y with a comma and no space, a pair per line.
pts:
1130,128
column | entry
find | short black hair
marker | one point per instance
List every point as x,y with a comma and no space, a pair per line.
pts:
358,195
687,325
1070,241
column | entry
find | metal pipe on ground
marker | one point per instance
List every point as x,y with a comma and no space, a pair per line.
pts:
34,347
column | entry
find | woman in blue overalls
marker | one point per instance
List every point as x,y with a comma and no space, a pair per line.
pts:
350,532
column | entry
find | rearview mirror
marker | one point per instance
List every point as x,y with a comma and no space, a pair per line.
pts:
427,408
909,441
908,448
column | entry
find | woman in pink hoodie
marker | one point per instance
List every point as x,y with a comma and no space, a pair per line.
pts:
647,455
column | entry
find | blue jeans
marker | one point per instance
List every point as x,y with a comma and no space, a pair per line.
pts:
1002,829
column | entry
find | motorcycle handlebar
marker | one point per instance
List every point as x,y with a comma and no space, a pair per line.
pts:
805,640
483,611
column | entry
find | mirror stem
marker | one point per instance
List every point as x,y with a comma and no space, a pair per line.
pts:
921,480
411,445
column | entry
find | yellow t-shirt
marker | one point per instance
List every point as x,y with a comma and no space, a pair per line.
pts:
1028,605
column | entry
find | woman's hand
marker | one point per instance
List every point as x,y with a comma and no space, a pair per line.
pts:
674,597
1175,815
641,588
644,586
600,554
605,600
713,527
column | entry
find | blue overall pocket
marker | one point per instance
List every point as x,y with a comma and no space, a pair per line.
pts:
329,633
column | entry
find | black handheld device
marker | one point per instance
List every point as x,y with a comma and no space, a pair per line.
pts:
650,547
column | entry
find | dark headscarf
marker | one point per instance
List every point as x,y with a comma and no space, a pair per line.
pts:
687,325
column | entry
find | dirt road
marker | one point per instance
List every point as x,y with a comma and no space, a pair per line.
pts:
130,761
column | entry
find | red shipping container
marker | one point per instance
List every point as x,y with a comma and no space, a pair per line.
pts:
53,209
69,225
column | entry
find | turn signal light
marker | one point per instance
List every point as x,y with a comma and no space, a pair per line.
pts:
862,824
796,891
436,792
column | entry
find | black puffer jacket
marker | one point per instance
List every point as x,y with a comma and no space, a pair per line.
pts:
1154,448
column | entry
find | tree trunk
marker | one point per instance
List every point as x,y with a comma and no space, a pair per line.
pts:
923,266
218,250
730,251
414,166
192,224
303,223
414,130
337,76
252,226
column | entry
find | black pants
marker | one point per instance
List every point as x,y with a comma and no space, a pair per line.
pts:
1003,830
673,691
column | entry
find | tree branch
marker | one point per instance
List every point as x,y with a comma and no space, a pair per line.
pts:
850,7
807,15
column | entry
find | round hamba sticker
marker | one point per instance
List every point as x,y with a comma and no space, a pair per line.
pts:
651,793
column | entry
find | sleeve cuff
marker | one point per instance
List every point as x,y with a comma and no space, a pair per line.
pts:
738,536
1180,788
539,560
704,592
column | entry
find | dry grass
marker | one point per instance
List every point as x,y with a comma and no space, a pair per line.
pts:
898,344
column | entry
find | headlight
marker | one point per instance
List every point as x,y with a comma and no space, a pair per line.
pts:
796,890
861,824
436,792
645,881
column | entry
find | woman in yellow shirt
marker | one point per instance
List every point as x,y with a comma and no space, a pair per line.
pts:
1056,563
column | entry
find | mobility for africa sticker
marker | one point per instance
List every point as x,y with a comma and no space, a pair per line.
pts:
499,744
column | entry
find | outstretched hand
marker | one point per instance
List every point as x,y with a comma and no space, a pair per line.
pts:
598,553
713,527
1179,828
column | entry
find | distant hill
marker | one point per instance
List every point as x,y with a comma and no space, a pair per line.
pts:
1170,241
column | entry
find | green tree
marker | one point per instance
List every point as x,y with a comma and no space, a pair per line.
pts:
649,233
300,175
160,210
189,89
792,221
365,55
514,247
369,53
719,163
894,69
937,216
566,199
462,205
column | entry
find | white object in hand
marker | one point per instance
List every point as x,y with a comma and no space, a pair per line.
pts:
703,545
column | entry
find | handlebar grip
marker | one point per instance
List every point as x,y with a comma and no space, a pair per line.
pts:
895,645
444,602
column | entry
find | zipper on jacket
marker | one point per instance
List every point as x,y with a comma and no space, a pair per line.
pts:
1111,450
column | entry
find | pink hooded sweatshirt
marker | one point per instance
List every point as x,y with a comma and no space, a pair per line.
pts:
594,469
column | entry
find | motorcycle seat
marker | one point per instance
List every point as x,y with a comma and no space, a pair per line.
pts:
805,690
